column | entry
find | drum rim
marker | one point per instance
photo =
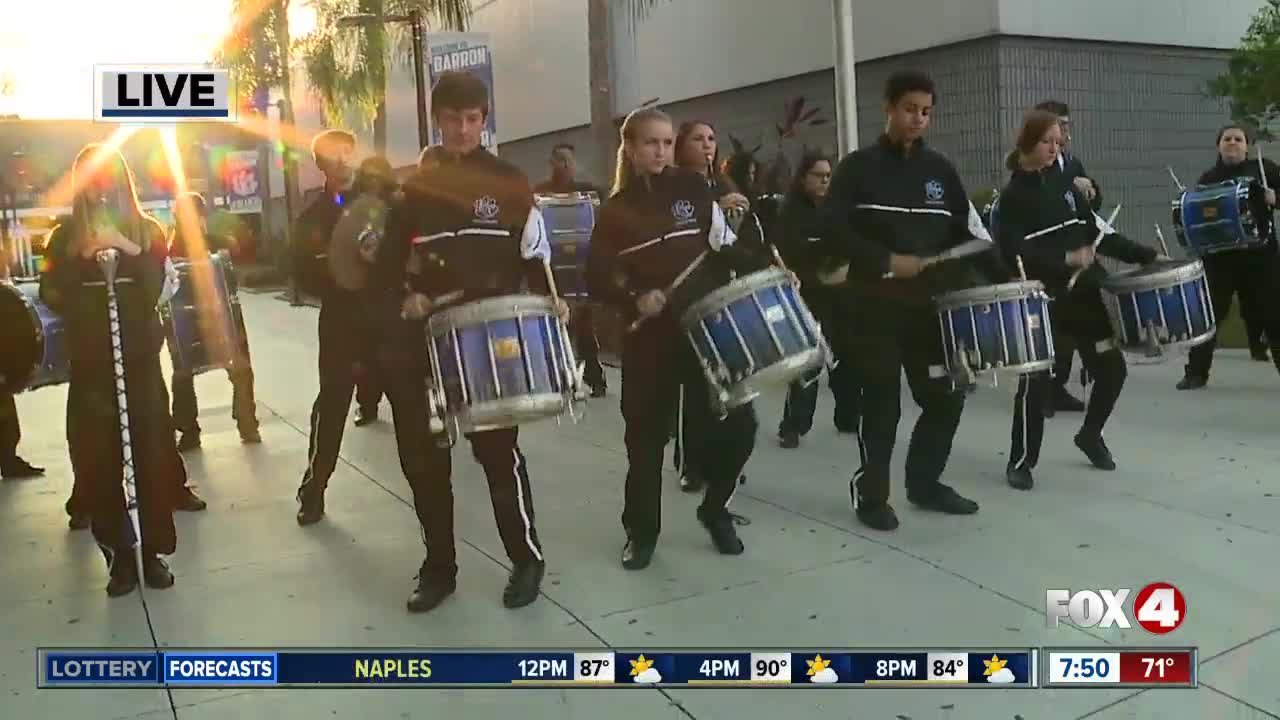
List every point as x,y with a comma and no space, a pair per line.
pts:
487,310
1142,279
785,369
577,197
521,410
734,290
15,288
988,293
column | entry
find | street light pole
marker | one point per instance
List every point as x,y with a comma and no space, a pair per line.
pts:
846,77
419,77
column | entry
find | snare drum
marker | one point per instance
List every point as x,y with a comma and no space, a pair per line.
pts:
997,327
1163,305
33,337
754,331
202,320
570,218
1221,217
500,362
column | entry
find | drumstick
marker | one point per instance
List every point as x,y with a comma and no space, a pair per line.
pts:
1102,232
1176,181
551,279
1022,270
1262,170
684,275
1164,249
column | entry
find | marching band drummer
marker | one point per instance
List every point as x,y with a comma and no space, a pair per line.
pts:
890,206
193,212
1251,273
1047,221
12,466
106,214
698,151
467,226
651,230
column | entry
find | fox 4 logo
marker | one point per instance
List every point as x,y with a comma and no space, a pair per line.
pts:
1158,608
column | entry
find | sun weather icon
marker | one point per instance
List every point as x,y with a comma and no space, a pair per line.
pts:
643,671
996,672
820,671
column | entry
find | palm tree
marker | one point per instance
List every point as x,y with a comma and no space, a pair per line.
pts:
347,67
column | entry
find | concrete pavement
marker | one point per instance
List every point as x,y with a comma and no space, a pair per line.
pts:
1196,502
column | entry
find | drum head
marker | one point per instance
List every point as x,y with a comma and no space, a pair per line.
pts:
1162,273
19,336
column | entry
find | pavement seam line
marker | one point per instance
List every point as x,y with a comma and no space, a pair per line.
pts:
1228,651
1247,704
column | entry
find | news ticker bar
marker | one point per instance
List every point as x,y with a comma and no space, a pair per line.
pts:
295,668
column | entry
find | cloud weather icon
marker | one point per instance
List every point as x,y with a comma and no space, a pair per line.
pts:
649,677
824,676
643,671
1003,676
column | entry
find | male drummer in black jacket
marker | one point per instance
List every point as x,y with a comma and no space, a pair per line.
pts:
466,229
891,206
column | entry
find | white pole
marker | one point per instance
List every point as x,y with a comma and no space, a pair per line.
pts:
846,86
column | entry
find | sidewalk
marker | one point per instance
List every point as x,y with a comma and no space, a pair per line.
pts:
1196,502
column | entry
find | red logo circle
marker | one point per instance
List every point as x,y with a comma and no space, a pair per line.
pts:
1160,608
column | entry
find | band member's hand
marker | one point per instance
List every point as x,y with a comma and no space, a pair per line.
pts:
1081,257
734,201
651,303
415,307
1086,188
905,267
793,278
1271,198
1161,257
562,310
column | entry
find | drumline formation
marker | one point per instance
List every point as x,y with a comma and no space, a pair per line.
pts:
496,357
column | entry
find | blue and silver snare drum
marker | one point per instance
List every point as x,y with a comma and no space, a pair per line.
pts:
1165,305
1220,217
996,327
570,219
203,322
33,339
500,362
750,333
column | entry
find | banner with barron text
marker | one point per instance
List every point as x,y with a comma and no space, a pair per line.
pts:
467,52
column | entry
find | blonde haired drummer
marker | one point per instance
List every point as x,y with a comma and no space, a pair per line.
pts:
1047,222
471,221
651,235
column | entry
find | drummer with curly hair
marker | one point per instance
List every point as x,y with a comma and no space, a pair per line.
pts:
466,229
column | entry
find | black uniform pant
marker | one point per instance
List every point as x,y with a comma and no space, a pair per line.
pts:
344,353
656,362
10,429
244,409
1255,277
802,394
428,466
886,339
369,388
587,344
1082,317
95,444
1064,345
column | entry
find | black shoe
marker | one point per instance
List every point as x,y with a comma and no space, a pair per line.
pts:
156,573
16,468
637,555
1049,410
1097,451
124,576
188,501
877,517
1020,478
1259,354
1192,382
524,584
366,417
311,507
79,521
189,441
598,390
846,427
943,499
692,482
430,591
1064,401
789,440
723,534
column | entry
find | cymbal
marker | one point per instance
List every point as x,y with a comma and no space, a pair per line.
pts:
355,240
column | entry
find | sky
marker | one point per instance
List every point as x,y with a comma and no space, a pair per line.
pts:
56,82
